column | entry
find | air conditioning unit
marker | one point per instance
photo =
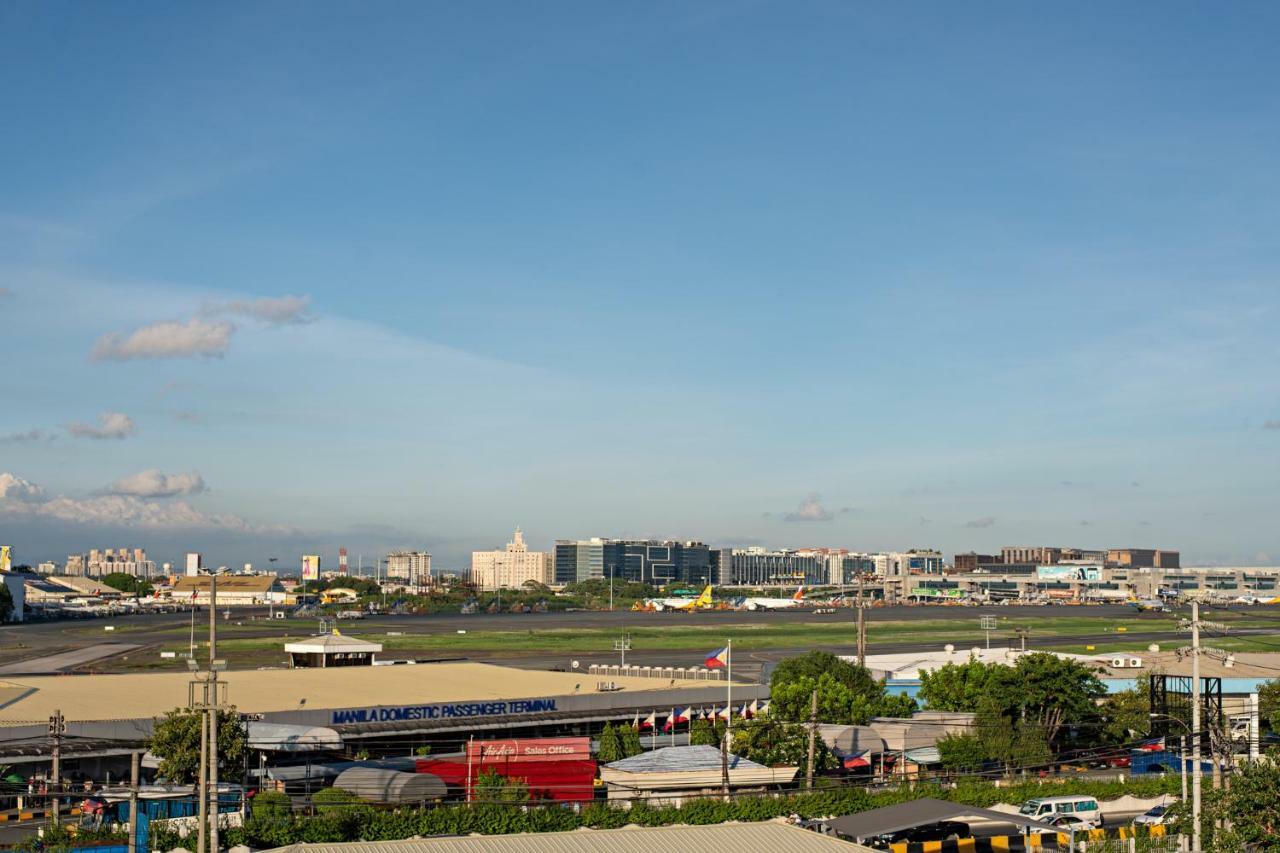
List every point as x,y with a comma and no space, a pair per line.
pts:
1119,663
1135,663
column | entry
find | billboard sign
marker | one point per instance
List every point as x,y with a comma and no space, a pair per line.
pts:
1069,573
311,567
6,561
531,749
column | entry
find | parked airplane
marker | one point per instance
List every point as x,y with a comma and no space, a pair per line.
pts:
1148,605
796,600
698,603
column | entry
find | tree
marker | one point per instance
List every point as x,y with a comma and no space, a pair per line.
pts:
6,603
272,805
629,738
176,742
128,583
774,743
963,752
610,748
1031,749
1126,716
1251,807
492,787
1269,703
956,686
847,693
1055,692
702,733
995,731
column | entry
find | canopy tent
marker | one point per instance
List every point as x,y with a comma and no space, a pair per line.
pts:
923,812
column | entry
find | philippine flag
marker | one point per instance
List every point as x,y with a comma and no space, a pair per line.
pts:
648,722
718,659
678,715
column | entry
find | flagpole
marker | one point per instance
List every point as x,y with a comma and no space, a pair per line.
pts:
728,719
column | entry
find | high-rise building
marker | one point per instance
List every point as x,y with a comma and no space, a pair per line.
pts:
118,561
657,562
756,566
75,565
411,566
578,560
969,562
509,568
1040,555
913,562
1144,558
195,563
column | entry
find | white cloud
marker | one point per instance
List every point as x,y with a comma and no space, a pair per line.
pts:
20,499
173,339
110,425
34,434
153,483
17,489
278,310
979,523
811,509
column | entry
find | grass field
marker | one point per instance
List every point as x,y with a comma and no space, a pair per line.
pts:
748,636
1103,633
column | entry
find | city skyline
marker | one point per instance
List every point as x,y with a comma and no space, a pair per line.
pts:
926,276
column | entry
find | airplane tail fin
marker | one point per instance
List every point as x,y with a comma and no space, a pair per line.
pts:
799,596
705,598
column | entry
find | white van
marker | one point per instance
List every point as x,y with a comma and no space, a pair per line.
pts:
1081,810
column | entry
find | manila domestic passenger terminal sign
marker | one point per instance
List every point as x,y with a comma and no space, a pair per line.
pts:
444,711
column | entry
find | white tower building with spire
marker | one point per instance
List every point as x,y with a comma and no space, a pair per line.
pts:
510,568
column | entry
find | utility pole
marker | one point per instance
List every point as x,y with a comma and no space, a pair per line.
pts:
202,792
1195,727
622,647
135,762
57,728
862,626
813,738
213,711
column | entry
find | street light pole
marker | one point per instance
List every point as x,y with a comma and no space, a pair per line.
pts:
1182,749
1195,727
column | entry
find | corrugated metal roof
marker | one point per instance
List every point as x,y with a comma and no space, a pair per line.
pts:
774,837
673,759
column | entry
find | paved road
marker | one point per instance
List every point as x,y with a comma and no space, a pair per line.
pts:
50,664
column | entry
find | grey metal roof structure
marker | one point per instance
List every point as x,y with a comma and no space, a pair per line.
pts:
392,787
922,812
717,838
851,740
673,759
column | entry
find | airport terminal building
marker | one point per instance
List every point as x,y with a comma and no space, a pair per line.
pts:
381,710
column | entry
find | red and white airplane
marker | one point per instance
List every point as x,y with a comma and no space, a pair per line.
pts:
796,600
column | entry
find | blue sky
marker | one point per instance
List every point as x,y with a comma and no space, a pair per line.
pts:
280,277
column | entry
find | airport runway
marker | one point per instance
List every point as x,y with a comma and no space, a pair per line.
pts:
55,663
64,645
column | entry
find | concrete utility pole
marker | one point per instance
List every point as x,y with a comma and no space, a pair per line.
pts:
57,728
135,763
1195,727
813,738
213,711
202,792
862,626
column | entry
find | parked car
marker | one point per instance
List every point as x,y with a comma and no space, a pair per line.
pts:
946,830
1044,809
1154,816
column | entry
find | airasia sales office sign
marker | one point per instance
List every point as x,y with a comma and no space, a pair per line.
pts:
529,749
